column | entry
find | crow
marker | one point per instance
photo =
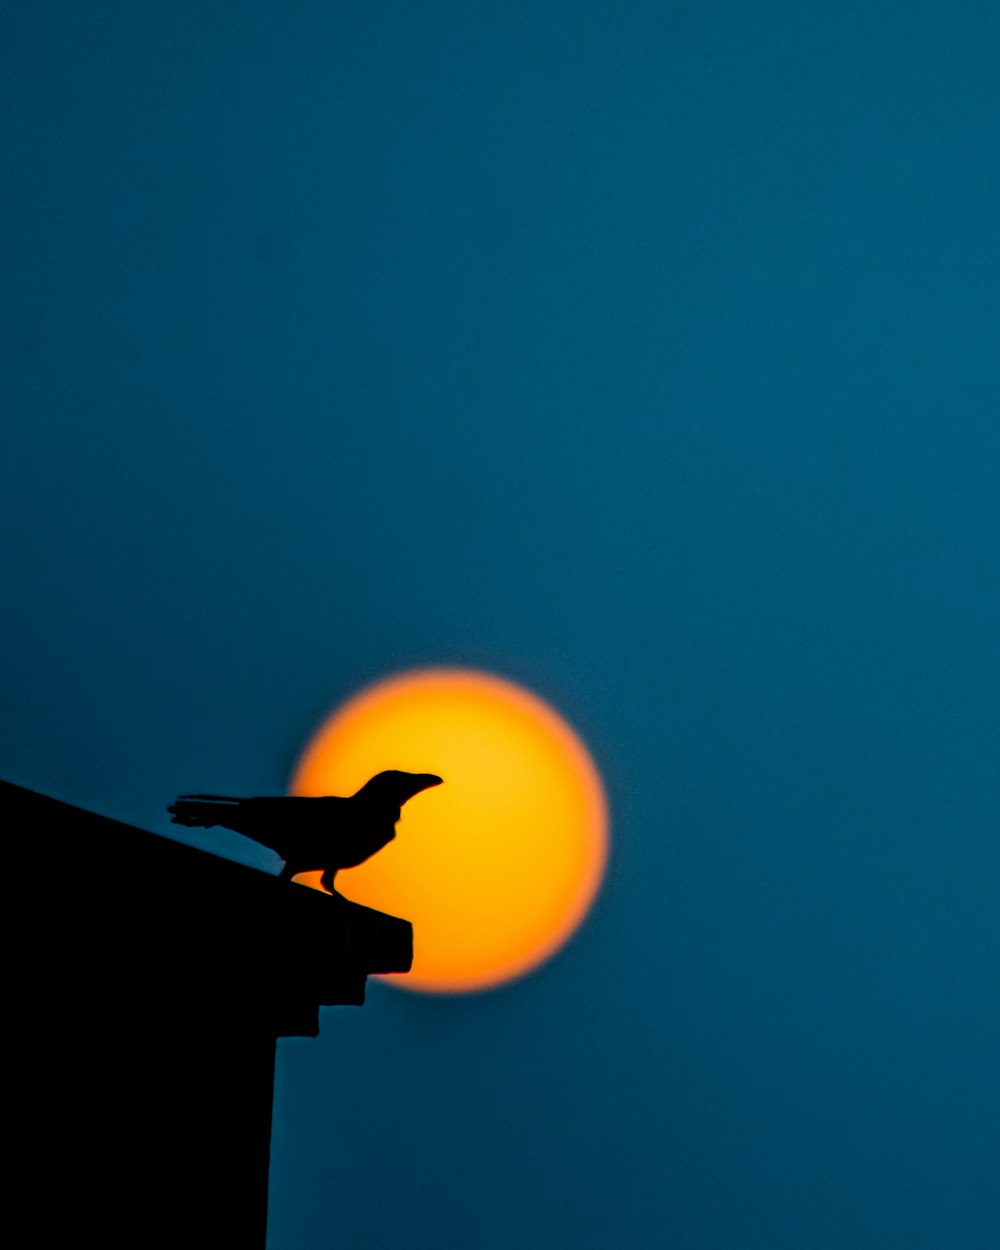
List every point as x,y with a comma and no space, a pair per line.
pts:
329,833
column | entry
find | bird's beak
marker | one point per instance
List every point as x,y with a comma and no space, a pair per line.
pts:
412,783
423,781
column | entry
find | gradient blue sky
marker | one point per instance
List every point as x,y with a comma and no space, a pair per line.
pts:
643,353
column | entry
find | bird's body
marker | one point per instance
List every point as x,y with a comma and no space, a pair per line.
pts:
312,833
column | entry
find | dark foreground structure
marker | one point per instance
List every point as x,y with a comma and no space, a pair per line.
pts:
152,981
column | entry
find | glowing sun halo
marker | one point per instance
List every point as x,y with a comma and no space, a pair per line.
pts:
497,867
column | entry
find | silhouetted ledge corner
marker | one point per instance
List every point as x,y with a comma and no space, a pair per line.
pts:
214,936
150,982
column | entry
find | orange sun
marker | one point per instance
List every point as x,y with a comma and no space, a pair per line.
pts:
497,867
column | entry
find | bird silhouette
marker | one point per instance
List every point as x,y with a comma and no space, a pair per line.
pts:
309,833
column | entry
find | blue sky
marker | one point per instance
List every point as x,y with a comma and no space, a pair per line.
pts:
643,354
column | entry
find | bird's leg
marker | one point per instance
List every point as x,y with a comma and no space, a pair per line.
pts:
327,879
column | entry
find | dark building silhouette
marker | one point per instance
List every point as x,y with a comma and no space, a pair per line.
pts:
151,981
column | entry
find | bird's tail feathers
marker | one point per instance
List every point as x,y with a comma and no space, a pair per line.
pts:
200,811
209,798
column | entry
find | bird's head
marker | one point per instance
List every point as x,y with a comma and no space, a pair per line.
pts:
392,788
